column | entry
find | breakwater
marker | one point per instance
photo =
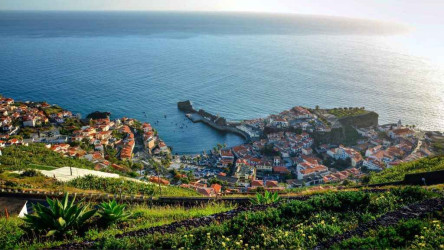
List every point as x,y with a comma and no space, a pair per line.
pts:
214,121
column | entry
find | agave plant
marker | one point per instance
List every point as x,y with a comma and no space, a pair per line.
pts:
266,198
60,218
112,212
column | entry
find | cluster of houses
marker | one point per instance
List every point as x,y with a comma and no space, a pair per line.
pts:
295,118
99,133
12,115
398,145
288,156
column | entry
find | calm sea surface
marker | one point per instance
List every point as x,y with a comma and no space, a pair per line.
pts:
236,65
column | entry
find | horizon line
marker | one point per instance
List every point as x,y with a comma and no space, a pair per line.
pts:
215,11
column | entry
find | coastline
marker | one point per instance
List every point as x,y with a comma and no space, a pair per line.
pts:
195,117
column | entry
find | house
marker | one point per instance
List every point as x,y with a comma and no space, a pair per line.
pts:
158,180
277,161
301,113
279,122
149,140
163,146
305,169
29,121
244,171
342,175
257,183
217,188
307,151
344,153
146,127
371,151
226,154
209,192
373,164
264,167
400,133
281,170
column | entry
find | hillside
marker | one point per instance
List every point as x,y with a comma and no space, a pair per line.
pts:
37,156
397,173
393,218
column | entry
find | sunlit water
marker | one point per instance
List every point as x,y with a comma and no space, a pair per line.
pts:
233,65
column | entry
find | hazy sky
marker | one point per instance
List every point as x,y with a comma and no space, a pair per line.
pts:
407,11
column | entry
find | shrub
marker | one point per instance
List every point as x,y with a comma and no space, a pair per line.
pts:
341,201
10,232
266,198
412,193
61,218
296,208
30,173
112,212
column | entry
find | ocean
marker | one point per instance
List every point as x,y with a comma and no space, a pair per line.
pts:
237,65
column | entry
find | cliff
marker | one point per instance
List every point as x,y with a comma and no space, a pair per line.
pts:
347,134
360,121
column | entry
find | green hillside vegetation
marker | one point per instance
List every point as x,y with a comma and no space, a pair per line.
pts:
397,173
128,187
91,184
12,234
295,224
23,157
345,112
52,110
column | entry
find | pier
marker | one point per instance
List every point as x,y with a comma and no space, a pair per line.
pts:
216,122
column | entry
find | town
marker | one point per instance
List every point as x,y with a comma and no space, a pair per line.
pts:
296,148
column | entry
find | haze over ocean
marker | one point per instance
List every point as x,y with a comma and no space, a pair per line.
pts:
237,65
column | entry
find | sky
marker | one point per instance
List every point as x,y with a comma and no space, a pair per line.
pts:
426,17
406,11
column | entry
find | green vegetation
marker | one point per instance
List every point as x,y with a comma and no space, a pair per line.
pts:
128,187
297,224
112,185
23,157
70,125
13,236
52,110
111,212
397,173
438,146
345,112
409,234
60,219
266,198
294,224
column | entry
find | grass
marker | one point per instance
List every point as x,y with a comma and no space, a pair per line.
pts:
397,173
340,113
297,224
52,110
21,157
142,217
41,167
128,187
410,234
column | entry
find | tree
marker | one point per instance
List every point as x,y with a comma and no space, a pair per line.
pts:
158,168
